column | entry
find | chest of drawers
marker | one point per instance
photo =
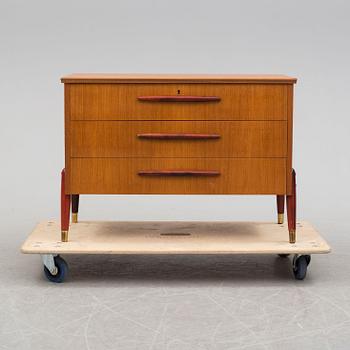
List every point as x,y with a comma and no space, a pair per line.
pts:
178,134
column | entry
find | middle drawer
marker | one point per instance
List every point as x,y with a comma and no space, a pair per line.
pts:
178,139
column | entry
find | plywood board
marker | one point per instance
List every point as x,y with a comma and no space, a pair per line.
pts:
165,237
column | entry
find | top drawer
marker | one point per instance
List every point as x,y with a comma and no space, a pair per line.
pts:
122,101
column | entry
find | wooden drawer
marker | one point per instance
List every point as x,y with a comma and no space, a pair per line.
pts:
178,139
226,176
121,102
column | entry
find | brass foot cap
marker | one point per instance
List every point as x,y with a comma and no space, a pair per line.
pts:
280,218
292,236
64,236
74,218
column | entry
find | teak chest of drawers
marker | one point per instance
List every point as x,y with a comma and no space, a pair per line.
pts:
178,134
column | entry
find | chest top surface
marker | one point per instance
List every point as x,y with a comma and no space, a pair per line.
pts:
80,78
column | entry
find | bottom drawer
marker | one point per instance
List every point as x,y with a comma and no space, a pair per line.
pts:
177,176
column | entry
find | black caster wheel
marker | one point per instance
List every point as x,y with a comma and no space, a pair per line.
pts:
283,255
300,266
62,270
308,259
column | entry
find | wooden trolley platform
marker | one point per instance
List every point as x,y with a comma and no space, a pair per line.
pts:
166,237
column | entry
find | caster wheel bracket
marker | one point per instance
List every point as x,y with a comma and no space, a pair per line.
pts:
55,267
49,263
295,258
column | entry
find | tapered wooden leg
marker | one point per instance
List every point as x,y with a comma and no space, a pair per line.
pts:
65,209
75,207
291,210
280,208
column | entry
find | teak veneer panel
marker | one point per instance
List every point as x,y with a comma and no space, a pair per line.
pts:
120,102
88,78
120,176
289,166
235,139
254,118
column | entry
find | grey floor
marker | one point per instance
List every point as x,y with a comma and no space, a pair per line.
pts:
177,302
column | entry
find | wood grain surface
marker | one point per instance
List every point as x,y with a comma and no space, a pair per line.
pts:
290,123
105,125
235,139
120,176
87,78
120,102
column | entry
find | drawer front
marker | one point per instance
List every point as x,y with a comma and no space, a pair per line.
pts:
177,176
177,101
178,139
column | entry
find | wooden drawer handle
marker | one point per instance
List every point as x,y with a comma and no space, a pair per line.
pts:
178,173
179,98
166,136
